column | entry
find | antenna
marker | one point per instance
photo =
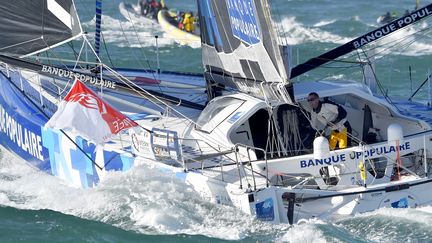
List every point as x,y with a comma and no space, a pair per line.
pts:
410,78
157,55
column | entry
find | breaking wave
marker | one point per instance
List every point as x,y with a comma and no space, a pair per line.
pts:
143,200
297,33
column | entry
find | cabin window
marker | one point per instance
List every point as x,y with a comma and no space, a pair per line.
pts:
216,112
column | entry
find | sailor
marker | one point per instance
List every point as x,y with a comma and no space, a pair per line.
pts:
387,17
333,116
180,17
144,6
154,8
189,22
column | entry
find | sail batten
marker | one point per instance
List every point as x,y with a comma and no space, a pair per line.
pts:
239,47
31,27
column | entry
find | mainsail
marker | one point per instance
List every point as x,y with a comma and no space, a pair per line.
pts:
240,50
30,27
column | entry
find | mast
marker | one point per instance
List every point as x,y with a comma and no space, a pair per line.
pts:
362,40
98,26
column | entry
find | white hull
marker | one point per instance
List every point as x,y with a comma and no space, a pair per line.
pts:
255,154
272,204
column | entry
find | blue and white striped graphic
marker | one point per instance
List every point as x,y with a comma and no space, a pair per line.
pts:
98,25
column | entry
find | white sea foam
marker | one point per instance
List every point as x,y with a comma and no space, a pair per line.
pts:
324,23
421,215
144,200
125,33
306,231
297,33
390,225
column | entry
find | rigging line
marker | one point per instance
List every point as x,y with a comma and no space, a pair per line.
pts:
360,142
303,110
392,46
133,53
324,76
282,32
380,86
62,61
268,133
137,88
396,187
341,61
58,57
59,90
141,50
79,55
46,115
368,146
84,40
421,86
393,43
106,50
21,43
65,87
137,37
87,10
73,49
401,40
345,68
47,57
340,72
282,146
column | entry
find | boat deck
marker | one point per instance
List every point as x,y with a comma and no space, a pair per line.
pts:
416,110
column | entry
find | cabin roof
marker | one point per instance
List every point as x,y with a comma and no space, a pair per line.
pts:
329,88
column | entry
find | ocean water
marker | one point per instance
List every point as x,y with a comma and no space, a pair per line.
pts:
143,205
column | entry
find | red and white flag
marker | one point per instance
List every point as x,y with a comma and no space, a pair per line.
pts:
84,113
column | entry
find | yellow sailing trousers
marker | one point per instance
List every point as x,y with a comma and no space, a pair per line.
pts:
338,138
